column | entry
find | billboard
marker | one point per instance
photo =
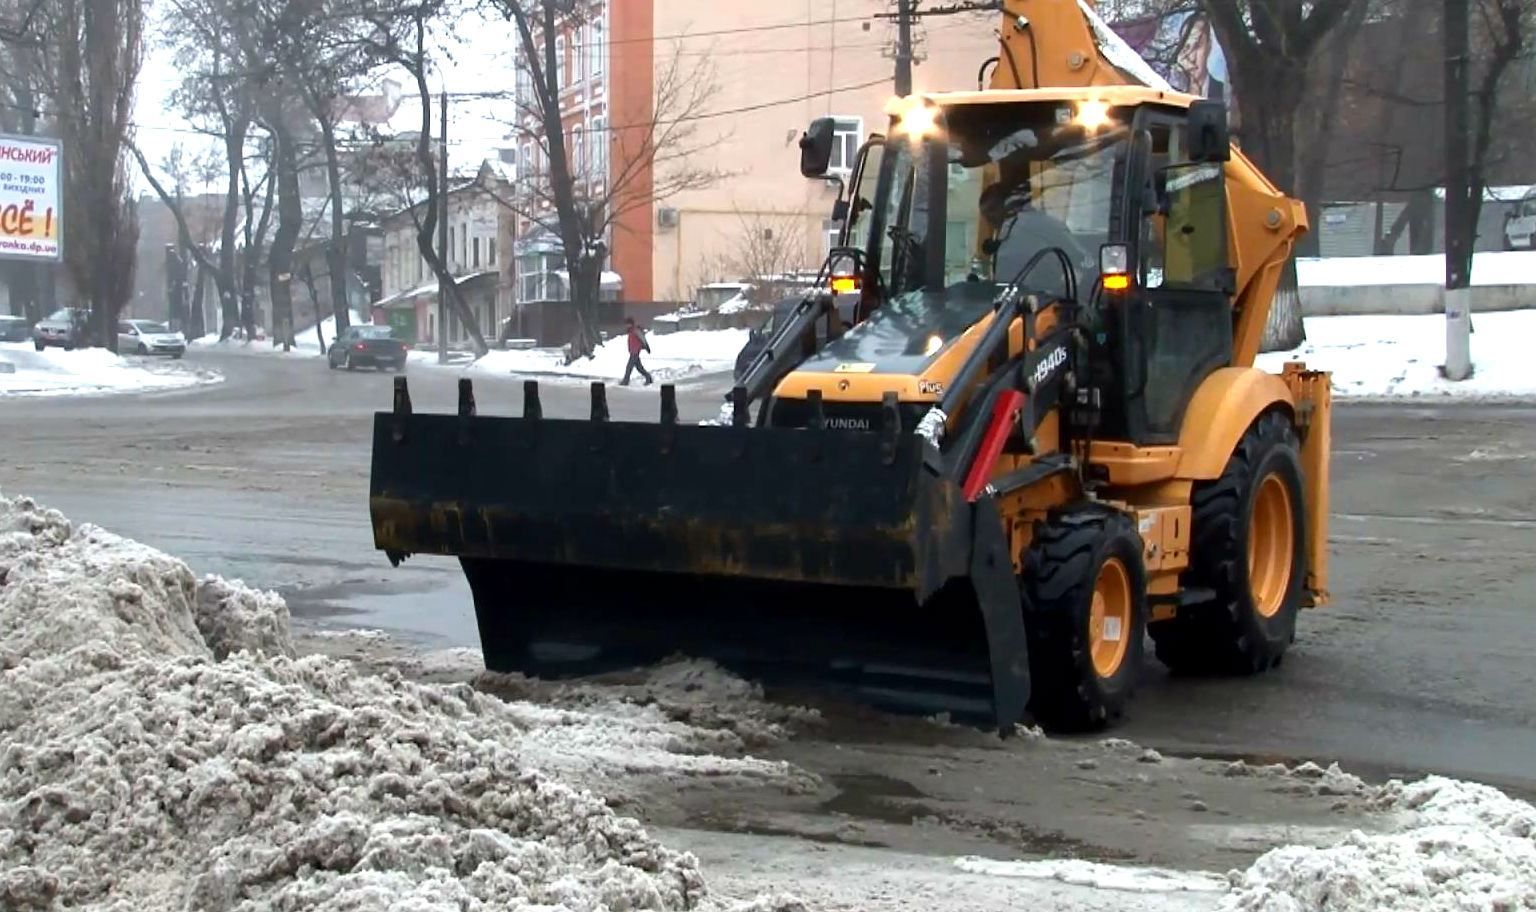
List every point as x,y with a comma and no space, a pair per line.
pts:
31,187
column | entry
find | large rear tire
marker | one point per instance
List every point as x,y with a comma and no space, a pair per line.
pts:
1248,545
1085,610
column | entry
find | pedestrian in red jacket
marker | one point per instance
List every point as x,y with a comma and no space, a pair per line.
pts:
637,344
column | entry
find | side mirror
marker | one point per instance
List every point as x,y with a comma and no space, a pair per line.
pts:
816,147
1209,138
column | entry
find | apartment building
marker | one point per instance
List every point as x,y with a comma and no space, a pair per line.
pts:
771,69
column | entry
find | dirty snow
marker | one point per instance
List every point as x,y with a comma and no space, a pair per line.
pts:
1462,846
673,356
1517,267
1400,356
143,771
91,371
1100,876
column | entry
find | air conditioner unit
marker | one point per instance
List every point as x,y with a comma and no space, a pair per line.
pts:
666,218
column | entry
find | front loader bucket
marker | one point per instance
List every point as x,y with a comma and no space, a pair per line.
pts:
823,557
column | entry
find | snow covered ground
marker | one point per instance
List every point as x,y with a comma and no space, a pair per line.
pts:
672,357
90,371
1400,356
1517,267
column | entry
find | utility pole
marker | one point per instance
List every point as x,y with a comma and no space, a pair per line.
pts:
442,228
1458,256
904,47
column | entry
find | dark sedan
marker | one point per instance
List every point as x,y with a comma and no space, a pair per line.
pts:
367,346
15,329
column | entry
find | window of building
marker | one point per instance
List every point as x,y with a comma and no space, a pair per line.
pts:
475,254
463,245
562,69
490,251
597,47
578,161
599,147
847,135
449,252
578,59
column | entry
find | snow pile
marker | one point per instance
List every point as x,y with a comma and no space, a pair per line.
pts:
697,692
90,371
1099,876
1488,268
139,771
1464,846
672,357
1400,356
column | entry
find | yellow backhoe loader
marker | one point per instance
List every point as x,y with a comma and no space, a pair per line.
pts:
1038,436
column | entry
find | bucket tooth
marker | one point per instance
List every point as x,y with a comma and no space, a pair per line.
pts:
599,401
890,422
532,408
466,398
402,409
739,406
668,403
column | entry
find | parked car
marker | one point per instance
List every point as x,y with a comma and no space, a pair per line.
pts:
64,328
14,329
146,337
367,346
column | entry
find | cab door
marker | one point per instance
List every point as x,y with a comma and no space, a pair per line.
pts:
1178,327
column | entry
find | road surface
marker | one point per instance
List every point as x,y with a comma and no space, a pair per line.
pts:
1422,663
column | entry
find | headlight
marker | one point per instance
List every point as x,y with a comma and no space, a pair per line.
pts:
933,344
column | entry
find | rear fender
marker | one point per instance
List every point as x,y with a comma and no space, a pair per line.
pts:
1223,408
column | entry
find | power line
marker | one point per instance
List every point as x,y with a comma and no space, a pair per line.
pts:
744,30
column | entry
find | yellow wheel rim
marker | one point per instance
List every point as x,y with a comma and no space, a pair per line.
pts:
1271,545
1109,618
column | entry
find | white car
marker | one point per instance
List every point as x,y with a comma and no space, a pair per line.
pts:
146,337
1520,224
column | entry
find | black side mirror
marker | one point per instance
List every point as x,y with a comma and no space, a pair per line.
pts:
1209,138
816,147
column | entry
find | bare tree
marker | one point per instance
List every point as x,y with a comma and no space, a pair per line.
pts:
417,177
1502,35
1272,48
97,47
765,247
640,163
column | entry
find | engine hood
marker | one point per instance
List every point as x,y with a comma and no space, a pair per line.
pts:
911,346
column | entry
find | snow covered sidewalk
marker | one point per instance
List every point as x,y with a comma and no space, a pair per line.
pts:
673,357
90,371
1390,357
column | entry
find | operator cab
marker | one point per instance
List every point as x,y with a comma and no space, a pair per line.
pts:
974,193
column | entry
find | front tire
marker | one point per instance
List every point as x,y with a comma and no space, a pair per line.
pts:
1247,545
39,346
1085,611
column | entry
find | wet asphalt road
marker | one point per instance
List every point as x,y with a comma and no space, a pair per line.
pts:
1423,663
